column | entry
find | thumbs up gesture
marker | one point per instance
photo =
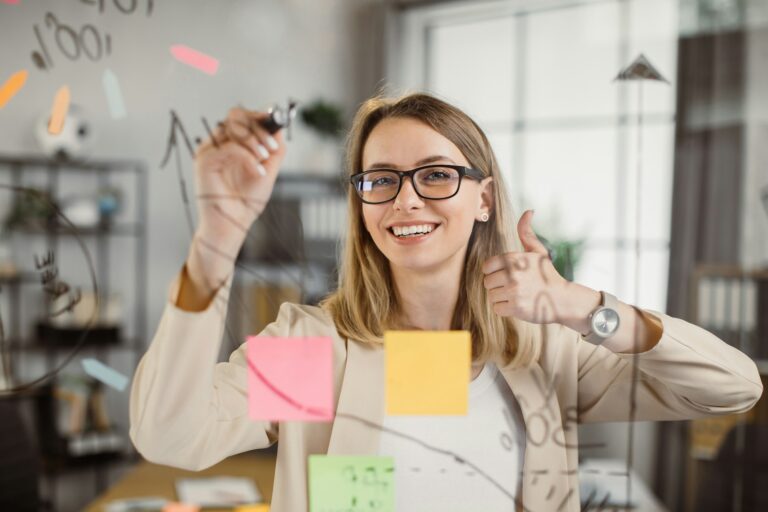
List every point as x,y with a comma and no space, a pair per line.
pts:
525,285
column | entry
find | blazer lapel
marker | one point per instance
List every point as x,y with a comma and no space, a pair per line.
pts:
545,482
360,409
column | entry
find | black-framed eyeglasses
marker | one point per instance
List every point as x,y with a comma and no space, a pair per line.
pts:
433,181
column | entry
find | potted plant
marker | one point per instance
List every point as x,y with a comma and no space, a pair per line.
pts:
326,121
565,255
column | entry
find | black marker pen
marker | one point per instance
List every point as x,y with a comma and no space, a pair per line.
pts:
279,117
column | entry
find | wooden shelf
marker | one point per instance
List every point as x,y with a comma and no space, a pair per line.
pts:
32,349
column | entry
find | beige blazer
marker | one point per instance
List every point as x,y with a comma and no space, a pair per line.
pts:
187,411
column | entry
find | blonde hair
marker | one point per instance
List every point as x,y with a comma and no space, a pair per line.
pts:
365,303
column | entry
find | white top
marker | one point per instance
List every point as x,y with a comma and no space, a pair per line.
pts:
429,474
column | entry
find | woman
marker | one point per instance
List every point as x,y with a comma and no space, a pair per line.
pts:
430,246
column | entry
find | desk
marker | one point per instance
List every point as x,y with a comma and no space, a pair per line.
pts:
147,479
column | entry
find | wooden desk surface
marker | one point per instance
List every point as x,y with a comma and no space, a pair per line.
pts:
147,479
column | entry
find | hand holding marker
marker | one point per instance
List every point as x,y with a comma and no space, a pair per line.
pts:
235,173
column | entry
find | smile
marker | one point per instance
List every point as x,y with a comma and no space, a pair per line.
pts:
412,231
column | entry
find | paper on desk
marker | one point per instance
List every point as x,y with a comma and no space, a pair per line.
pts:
604,482
217,491
147,503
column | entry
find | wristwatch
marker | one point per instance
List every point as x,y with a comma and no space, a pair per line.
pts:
604,321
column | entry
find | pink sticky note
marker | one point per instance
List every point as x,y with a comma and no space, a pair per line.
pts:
12,2
194,58
290,379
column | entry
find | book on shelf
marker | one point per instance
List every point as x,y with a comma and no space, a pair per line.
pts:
83,420
262,304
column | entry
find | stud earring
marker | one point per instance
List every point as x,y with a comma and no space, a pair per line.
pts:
484,217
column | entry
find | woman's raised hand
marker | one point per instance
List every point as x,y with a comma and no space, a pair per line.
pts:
235,172
526,285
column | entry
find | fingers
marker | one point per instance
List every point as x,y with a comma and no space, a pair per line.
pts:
501,294
242,127
513,268
502,308
498,279
528,237
494,264
266,138
509,261
511,299
252,166
246,125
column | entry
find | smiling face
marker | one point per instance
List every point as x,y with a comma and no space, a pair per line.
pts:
411,232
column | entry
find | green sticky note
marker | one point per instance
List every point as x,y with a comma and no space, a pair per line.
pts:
354,483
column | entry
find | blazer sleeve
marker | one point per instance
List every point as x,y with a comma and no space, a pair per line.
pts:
185,409
689,373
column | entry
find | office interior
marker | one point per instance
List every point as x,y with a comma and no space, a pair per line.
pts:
654,187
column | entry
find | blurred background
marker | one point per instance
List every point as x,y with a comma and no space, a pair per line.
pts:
655,190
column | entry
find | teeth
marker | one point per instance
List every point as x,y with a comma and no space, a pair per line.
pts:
411,230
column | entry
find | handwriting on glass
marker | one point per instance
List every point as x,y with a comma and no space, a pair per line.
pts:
124,6
351,484
53,286
71,42
74,42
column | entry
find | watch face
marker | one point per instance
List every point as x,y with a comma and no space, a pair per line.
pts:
605,322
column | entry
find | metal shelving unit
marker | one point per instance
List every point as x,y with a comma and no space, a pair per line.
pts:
732,303
291,250
51,176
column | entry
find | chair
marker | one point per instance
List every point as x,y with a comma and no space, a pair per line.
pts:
19,461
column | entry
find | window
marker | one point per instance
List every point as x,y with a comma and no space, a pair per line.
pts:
538,76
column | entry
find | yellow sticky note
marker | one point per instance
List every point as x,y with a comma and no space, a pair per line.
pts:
427,372
252,508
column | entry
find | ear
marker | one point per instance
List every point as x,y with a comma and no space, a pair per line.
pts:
486,198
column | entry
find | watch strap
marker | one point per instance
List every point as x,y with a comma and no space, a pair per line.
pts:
609,301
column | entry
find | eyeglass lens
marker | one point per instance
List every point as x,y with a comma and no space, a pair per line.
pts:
430,183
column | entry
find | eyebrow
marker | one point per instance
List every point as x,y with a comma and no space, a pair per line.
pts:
423,161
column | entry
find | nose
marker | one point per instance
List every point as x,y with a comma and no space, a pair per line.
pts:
407,198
